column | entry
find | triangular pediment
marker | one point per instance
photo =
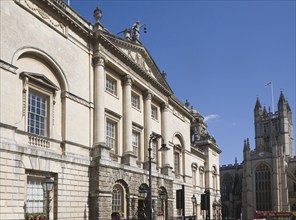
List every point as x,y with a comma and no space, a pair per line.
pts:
139,55
136,52
41,79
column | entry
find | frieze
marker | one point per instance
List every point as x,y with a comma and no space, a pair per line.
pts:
76,99
43,15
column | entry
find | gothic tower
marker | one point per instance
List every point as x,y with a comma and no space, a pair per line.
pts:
265,174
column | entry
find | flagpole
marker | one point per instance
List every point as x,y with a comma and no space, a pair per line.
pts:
272,101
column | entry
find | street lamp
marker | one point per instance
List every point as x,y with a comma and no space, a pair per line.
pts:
47,185
153,137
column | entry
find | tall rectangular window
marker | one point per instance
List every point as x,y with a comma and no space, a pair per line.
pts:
111,134
154,150
111,85
35,196
177,163
135,142
37,114
154,112
135,99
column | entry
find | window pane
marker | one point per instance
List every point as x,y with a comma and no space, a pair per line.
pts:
110,134
111,86
37,111
117,199
153,112
135,143
35,197
135,101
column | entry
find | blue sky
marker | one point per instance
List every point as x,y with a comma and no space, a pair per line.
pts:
217,54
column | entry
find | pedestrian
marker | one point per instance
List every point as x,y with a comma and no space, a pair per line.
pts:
115,216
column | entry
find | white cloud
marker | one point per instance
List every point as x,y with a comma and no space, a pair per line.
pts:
211,117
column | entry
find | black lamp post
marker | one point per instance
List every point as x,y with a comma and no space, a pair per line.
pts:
47,185
153,137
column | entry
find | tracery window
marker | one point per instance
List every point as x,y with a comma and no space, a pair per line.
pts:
226,187
293,207
263,188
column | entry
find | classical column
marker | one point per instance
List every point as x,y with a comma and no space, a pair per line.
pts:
99,107
166,167
127,114
128,156
147,122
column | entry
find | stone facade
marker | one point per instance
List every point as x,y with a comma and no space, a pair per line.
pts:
78,104
265,181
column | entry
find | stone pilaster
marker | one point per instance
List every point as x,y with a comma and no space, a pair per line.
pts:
128,155
166,167
99,148
147,121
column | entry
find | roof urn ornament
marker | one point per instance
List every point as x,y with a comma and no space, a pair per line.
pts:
98,14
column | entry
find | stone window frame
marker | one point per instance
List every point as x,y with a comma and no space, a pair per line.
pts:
177,159
114,118
40,85
112,139
122,200
52,195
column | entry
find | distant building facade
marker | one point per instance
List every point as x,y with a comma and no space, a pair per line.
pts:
78,104
265,180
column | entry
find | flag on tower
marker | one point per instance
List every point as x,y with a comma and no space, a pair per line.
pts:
267,84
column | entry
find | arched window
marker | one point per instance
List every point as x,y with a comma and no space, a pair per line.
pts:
118,199
201,177
178,155
194,176
226,187
263,188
